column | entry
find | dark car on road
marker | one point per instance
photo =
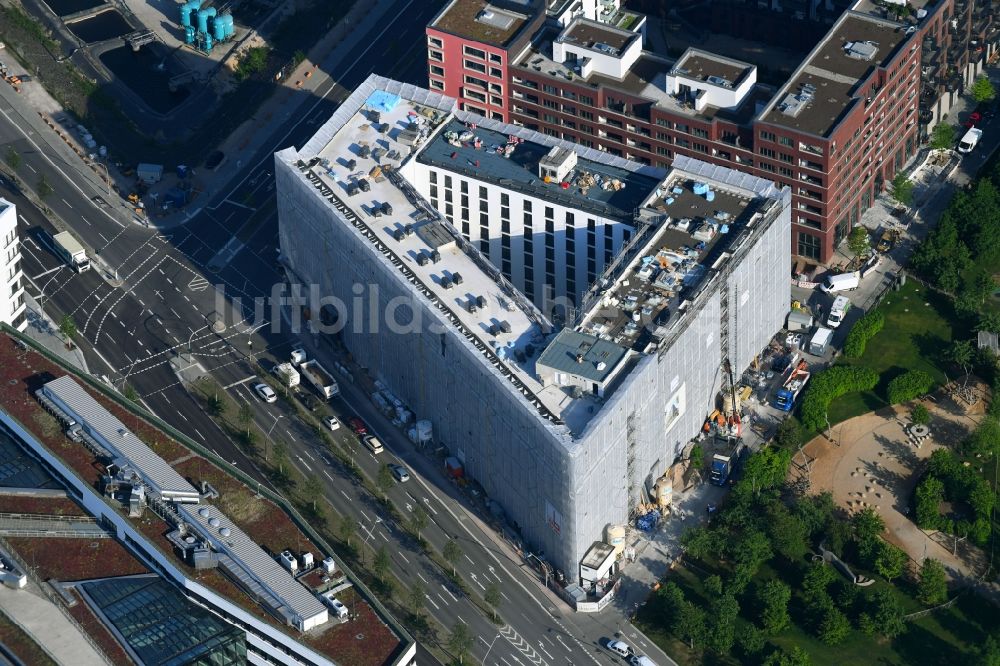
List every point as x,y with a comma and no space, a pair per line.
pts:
357,425
308,401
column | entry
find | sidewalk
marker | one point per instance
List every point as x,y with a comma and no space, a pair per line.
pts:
46,624
43,330
239,148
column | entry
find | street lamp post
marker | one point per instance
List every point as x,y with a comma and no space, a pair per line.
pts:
107,174
273,425
490,648
250,348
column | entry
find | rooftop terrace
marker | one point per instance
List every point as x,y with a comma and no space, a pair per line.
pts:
481,21
598,36
647,78
711,68
826,84
519,171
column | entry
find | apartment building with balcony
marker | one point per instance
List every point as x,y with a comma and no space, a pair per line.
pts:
12,307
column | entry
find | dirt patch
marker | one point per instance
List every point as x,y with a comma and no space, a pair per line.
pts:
871,462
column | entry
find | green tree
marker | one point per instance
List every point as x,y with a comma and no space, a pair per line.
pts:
933,586
697,456
859,241
68,329
789,434
890,561
384,480
961,354
713,585
943,136
982,90
902,189
751,641
789,534
216,404
280,457
12,158
989,652
920,415
722,634
461,641
313,489
347,529
245,416
382,563
417,597
418,520
690,624
765,469
928,498
989,321
702,542
44,188
492,597
835,627
794,657
816,581
887,614
452,551
868,525
772,600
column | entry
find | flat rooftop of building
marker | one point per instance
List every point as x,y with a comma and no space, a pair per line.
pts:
519,171
507,323
584,355
712,68
592,35
480,21
825,85
646,78
883,10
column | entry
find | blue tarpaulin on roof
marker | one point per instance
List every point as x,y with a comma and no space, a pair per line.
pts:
382,101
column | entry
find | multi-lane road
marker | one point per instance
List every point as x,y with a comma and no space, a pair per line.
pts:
158,311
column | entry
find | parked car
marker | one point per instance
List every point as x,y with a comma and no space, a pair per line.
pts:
265,392
640,660
309,402
331,422
399,473
887,241
357,425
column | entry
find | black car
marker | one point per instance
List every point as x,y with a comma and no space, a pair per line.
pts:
309,402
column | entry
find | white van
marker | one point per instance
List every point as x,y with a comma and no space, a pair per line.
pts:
838,311
820,341
842,282
373,444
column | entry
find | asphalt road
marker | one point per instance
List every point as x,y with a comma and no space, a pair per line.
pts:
161,304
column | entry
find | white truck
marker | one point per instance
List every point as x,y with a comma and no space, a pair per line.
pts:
71,251
288,375
838,311
320,378
821,339
970,140
841,282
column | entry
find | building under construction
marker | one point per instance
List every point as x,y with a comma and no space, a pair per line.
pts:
567,416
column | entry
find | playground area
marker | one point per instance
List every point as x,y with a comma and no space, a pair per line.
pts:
875,460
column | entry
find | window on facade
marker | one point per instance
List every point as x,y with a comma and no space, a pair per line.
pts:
474,52
697,131
437,85
473,81
434,41
496,57
437,71
496,72
436,55
809,245
680,127
767,152
586,100
767,136
474,66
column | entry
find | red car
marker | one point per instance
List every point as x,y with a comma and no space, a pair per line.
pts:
974,118
357,425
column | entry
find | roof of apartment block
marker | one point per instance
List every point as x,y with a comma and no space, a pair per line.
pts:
480,21
591,34
826,84
519,171
712,68
647,78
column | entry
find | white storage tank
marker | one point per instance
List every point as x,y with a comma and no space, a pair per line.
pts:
307,561
616,538
329,566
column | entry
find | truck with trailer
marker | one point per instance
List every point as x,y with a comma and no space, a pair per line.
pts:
970,140
287,374
793,385
316,375
724,464
71,251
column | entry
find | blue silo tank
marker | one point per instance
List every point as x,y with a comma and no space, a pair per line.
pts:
189,34
230,30
208,42
203,16
219,28
186,15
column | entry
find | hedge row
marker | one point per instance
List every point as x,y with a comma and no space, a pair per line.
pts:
864,330
908,386
827,385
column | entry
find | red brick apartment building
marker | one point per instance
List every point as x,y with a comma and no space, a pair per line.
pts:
835,132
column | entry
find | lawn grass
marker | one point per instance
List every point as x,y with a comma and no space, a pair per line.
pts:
920,325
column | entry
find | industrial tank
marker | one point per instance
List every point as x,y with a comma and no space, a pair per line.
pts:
663,491
219,28
203,16
189,34
616,538
228,23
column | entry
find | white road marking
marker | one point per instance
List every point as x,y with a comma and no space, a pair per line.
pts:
328,475
450,594
345,495
404,558
200,435
421,577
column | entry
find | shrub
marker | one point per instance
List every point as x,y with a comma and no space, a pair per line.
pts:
829,384
864,330
920,415
908,386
